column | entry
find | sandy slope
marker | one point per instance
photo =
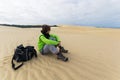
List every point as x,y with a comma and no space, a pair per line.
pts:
94,54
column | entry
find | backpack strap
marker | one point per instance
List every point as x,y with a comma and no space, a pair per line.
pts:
13,65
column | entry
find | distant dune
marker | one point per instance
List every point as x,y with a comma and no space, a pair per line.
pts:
26,26
94,54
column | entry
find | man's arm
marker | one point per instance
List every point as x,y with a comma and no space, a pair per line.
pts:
47,41
55,36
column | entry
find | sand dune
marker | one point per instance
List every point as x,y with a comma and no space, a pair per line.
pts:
93,52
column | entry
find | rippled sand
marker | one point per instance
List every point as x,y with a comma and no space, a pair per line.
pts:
93,52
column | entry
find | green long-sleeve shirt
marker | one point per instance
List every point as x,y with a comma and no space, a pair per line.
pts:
43,40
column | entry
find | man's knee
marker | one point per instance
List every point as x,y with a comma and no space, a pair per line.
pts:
53,49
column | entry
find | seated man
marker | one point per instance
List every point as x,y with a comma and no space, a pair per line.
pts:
48,43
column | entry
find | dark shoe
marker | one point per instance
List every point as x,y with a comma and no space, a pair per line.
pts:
60,56
63,50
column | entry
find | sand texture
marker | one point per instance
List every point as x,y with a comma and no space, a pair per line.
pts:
94,54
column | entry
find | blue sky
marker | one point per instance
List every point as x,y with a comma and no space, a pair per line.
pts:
103,13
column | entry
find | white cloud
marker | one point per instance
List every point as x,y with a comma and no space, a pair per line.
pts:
81,12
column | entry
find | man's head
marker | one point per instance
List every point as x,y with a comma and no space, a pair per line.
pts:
45,29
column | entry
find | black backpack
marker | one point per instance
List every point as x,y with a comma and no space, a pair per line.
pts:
23,54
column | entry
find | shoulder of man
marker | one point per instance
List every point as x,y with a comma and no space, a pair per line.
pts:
41,35
52,34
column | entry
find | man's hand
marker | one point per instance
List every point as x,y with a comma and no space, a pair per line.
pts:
59,44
